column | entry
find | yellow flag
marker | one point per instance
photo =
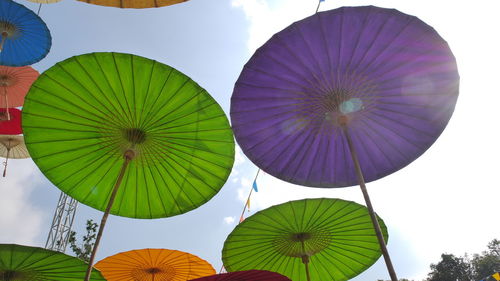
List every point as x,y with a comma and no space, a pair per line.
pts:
496,276
248,204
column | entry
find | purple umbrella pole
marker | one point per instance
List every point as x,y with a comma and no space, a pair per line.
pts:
373,217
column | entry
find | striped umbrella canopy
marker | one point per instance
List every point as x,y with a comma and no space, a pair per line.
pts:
10,121
111,127
24,37
153,265
345,97
310,239
136,4
12,147
15,83
24,263
248,275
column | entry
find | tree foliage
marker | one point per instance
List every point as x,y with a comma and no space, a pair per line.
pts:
481,266
84,250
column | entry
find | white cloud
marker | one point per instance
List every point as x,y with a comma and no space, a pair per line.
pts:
20,221
229,220
265,20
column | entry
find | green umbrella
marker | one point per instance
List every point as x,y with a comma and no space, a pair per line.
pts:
23,263
111,127
311,239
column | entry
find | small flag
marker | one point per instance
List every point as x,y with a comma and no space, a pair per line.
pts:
496,276
248,204
255,186
242,218
321,0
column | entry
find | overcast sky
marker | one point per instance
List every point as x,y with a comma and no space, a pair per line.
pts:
445,201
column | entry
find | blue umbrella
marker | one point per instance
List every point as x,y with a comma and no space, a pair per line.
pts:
25,39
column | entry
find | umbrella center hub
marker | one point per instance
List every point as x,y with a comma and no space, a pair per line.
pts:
8,29
135,135
153,270
302,244
13,275
5,81
166,273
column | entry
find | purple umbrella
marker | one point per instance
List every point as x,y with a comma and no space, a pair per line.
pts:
345,97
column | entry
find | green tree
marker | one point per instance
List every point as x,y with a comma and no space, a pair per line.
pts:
84,250
488,262
451,268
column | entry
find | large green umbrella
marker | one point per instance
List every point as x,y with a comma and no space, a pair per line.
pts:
111,127
311,239
23,263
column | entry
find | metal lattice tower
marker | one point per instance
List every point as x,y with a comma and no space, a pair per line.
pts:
61,223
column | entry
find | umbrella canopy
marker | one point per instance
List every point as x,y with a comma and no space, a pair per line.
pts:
332,237
31,263
25,38
110,127
15,83
83,114
248,275
385,78
10,121
153,264
12,147
137,4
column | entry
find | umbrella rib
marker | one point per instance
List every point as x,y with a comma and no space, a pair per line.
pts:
150,111
109,117
170,148
327,50
197,111
153,65
127,107
65,110
150,124
355,47
185,179
125,121
382,116
197,95
81,180
312,84
162,202
386,47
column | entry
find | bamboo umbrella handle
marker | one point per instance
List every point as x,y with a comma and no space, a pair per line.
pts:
373,217
129,155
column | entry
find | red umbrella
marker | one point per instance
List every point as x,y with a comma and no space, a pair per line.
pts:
247,275
12,126
14,84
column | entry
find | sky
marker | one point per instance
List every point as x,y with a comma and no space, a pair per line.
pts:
446,201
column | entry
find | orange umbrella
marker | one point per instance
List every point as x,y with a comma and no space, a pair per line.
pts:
154,265
14,84
136,4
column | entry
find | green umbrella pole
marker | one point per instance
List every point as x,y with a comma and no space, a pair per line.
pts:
128,155
305,260
373,217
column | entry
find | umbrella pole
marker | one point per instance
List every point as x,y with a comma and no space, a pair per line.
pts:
129,155
6,160
305,260
4,36
6,103
373,217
